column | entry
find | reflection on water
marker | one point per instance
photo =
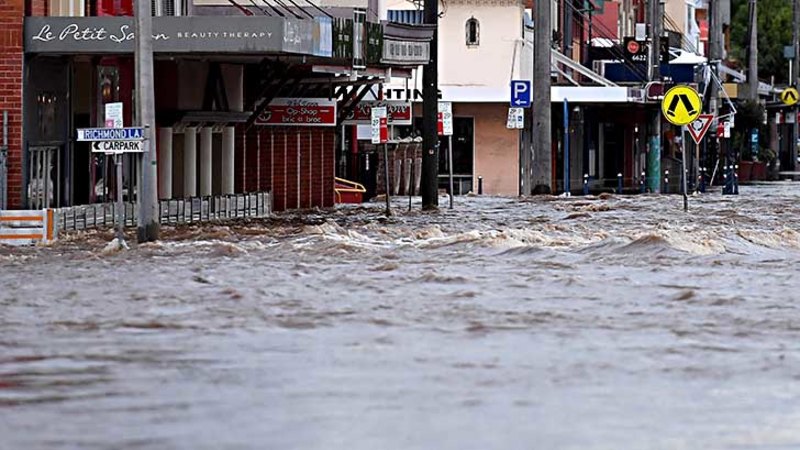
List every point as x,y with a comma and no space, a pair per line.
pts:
615,322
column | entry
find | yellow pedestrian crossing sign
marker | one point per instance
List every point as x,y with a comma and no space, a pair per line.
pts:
681,105
789,96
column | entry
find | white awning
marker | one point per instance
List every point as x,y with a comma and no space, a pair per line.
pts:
496,94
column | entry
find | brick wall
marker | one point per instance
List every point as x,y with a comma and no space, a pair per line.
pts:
38,8
11,14
295,163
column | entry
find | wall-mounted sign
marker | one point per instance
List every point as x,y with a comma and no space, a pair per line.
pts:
398,113
172,34
319,112
397,51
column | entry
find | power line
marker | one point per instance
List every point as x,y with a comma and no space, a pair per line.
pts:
606,33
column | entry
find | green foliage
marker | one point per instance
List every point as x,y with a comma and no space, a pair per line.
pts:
774,32
749,115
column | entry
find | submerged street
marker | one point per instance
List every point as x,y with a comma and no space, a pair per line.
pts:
552,323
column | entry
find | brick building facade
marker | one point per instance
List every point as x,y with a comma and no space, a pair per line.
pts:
209,88
11,74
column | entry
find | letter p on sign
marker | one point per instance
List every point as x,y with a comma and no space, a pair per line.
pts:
520,93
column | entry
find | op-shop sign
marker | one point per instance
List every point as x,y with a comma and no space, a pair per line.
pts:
379,125
310,112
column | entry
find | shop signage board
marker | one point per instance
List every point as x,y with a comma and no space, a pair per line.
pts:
315,112
180,34
399,113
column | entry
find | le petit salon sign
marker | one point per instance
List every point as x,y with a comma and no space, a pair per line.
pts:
170,34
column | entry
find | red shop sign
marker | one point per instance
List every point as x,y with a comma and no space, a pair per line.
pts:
399,113
319,112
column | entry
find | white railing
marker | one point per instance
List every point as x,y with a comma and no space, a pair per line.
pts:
28,227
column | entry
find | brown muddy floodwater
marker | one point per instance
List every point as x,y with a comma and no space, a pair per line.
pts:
582,323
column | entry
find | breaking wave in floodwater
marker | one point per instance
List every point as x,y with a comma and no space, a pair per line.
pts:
611,322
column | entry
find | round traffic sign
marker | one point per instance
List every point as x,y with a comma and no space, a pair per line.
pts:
681,105
789,96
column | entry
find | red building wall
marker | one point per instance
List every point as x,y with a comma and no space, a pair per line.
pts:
11,17
295,163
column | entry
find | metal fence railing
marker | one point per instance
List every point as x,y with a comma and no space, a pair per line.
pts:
3,179
4,164
172,212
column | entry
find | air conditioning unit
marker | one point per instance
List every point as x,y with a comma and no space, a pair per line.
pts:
168,7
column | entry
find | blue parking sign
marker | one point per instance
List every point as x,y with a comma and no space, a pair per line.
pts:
520,93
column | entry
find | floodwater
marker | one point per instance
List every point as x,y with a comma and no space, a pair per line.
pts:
546,323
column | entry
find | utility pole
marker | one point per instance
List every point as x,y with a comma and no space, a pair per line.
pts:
794,81
714,60
429,185
542,173
654,72
752,53
148,228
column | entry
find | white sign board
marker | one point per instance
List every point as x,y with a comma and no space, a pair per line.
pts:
114,117
446,111
516,119
378,124
110,134
118,147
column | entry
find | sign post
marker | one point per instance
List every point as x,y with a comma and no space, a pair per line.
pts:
446,114
115,142
380,135
681,106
